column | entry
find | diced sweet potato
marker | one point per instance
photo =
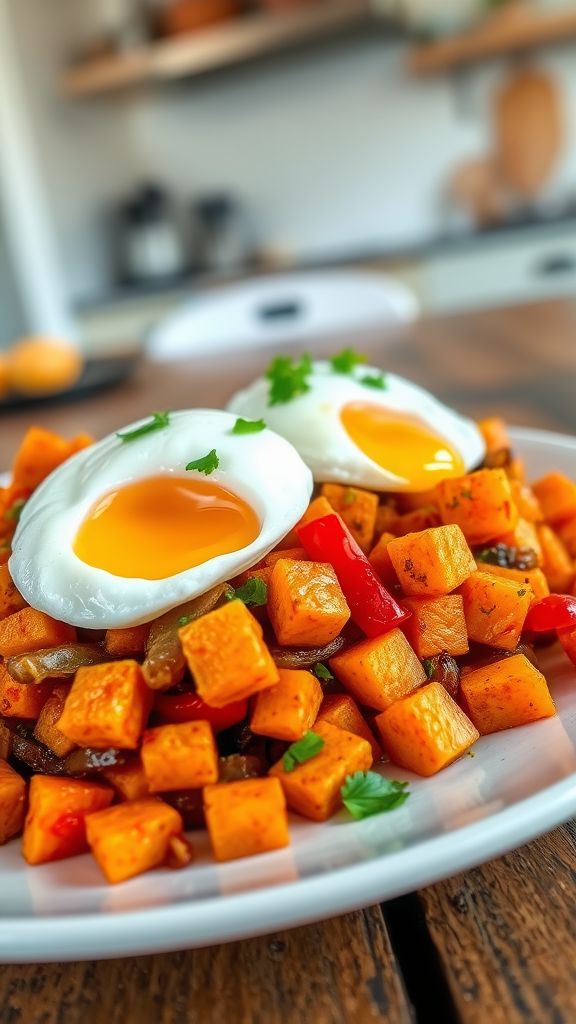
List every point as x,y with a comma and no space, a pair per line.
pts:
386,519
107,706
246,818
505,694
289,709
131,838
433,562
524,535
380,560
526,502
480,503
5,741
557,496
21,700
297,554
516,470
437,624
227,656
357,508
10,599
179,756
495,609
313,788
55,825
380,670
12,802
426,731
566,531
46,729
306,605
556,562
40,452
341,710
29,630
533,578
126,643
128,779
419,519
495,434
264,573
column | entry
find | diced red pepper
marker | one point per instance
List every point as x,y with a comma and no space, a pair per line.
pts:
189,707
372,606
558,611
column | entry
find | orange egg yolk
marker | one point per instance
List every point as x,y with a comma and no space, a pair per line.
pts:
162,525
401,444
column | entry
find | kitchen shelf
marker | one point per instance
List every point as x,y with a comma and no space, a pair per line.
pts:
519,27
225,44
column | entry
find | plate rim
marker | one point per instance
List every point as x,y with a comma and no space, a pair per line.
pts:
198,922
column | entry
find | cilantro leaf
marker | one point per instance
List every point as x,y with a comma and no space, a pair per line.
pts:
288,378
207,464
158,422
301,751
374,380
321,672
366,793
15,511
254,592
346,361
248,426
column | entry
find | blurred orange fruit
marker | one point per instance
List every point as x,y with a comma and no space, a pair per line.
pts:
43,366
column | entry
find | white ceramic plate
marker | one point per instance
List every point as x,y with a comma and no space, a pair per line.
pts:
519,784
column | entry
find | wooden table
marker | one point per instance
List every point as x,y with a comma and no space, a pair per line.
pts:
497,944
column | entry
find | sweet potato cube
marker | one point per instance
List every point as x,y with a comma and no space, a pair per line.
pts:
386,519
480,503
495,434
128,779
306,605
12,802
126,643
55,825
437,624
566,531
505,694
418,519
433,562
341,710
526,502
379,670
380,560
131,838
245,818
557,496
21,700
227,656
495,609
533,578
5,741
557,565
10,599
39,454
29,630
46,729
313,788
107,706
297,554
524,535
179,756
289,709
426,731
264,574
357,508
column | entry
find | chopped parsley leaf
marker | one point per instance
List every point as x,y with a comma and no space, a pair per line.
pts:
349,496
184,620
254,592
158,422
207,464
248,426
15,511
367,793
322,673
288,378
375,380
301,751
347,361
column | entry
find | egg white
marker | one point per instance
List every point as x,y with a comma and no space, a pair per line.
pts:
262,468
311,422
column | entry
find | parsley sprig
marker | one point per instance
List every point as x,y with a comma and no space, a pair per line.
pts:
248,426
253,592
301,751
322,672
374,380
207,464
158,421
347,360
367,793
288,378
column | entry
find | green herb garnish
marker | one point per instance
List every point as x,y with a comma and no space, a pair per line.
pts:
185,619
158,422
254,592
288,378
366,793
15,511
429,667
301,751
321,672
207,464
349,496
375,380
347,361
248,426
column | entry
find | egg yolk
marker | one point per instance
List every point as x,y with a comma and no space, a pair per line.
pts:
401,444
160,526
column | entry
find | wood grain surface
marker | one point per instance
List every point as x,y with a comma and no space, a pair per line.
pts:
495,945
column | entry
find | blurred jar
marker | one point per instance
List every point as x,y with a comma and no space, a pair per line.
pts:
150,245
189,15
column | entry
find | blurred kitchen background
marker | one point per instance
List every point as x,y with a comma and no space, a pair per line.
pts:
152,150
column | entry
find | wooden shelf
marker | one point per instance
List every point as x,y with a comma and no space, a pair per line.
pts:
223,45
519,27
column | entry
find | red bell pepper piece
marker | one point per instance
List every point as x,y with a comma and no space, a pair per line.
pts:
558,611
372,606
189,707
